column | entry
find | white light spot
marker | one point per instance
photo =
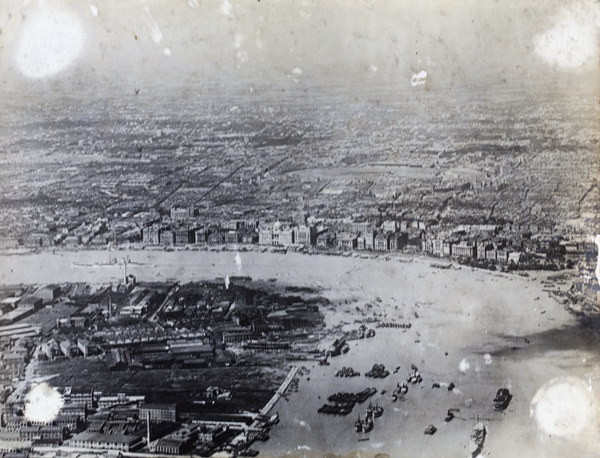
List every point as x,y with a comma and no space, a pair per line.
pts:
167,52
259,40
373,68
572,41
563,407
464,366
50,41
43,403
94,10
238,261
297,71
377,444
487,358
302,424
226,8
227,282
242,57
418,78
567,45
155,32
238,40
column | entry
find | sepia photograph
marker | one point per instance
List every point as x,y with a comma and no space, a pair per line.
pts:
299,228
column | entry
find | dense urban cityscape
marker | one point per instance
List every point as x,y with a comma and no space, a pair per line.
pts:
353,256
255,182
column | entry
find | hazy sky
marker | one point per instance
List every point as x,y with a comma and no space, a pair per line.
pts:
405,45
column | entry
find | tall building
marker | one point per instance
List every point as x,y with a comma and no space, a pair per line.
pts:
159,412
265,236
151,235
369,239
183,236
283,234
464,250
306,235
381,242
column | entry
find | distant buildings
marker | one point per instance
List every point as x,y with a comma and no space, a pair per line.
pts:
159,412
101,441
48,293
464,249
181,213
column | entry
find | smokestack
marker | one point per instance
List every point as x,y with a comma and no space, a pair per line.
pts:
148,429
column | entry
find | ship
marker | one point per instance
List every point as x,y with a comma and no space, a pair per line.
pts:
358,425
477,438
374,411
336,347
400,390
367,425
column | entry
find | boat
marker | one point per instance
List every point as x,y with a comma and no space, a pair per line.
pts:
368,424
336,348
358,425
477,438
374,411
378,411
400,390
502,399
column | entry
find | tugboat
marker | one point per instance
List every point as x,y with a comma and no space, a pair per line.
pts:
358,425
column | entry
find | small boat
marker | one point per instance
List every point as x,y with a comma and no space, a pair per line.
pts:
502,399
477,438
358,425
378,411
430,430
374,411
367,424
